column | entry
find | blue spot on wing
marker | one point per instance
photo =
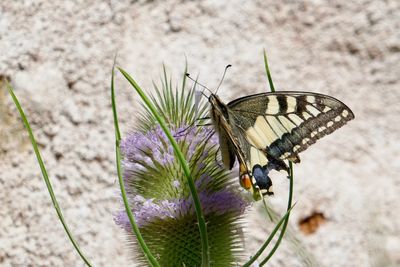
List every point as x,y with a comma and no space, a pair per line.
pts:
261,175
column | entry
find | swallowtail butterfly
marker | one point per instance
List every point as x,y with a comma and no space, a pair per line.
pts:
263,130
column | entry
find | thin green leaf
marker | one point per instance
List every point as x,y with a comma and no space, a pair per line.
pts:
152,260
271,84
176,99
286,220
159,96
185,167
285,223
268,210
45,175
266,243
272,88
183,85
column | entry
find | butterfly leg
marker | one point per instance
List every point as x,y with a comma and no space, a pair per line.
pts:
183,131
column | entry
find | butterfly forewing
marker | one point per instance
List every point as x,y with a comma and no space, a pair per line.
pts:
283,124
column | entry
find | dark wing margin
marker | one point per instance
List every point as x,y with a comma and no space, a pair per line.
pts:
283,124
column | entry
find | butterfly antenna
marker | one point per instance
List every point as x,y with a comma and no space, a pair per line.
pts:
222,79
196,82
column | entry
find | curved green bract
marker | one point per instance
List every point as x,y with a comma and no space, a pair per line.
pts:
285,223
45,176
152,260
285,219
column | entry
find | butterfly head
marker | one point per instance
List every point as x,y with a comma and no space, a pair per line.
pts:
216,102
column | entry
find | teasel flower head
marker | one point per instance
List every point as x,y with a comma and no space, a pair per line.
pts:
158,191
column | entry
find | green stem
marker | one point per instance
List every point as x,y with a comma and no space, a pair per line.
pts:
45,175
271,84
266,243
286,220
135,228
268,210
185,167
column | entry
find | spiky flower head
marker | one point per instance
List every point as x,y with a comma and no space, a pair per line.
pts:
158,190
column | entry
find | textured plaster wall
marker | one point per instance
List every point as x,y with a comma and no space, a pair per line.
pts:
58,56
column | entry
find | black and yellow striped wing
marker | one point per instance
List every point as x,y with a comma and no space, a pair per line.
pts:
263,130
282,124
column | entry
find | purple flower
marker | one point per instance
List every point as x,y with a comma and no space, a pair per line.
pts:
145,211
141,150
176,183
213,203
159,193
153,150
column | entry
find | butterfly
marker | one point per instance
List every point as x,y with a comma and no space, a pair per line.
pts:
263,130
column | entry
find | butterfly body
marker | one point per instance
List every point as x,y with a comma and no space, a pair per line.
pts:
263,130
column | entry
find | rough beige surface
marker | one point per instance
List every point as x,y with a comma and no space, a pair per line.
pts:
58,56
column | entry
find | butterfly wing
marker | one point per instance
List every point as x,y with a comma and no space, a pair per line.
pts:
227,149
280,125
